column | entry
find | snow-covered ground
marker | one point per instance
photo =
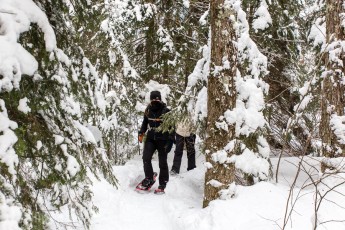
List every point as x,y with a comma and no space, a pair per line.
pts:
261,206
127,209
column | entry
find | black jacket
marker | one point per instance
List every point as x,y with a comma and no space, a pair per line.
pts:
152,120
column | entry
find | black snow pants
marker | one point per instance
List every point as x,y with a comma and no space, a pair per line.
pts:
180,141
150,147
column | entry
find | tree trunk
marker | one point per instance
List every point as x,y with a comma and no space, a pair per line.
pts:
332,97
166,6
196,9
149,48
188,62
221,97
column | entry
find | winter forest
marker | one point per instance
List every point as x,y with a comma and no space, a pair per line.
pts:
262,80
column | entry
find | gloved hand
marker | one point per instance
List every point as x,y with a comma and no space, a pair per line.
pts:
140,137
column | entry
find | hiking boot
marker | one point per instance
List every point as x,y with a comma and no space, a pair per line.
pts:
147,182
173,172
160,190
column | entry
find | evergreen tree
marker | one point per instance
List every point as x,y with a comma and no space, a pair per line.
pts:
47,111
235,144
221,97
283,43
332,88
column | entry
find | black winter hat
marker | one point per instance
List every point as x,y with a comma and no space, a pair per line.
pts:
155,95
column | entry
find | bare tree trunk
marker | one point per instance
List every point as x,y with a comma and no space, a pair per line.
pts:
188,67
166,6
221,97
149,47
332,95
196,9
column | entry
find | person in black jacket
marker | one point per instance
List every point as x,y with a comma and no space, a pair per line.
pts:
155,140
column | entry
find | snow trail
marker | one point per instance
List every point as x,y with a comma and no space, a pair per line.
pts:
127,208
258,207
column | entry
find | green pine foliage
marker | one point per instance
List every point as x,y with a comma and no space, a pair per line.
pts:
56,151
94,81
285,43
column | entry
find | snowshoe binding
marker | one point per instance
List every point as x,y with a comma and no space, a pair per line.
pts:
146,184
160,190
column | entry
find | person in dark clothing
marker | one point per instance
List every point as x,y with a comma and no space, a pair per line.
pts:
184,135
155,140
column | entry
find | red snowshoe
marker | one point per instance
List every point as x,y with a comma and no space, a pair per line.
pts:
146,184
160,190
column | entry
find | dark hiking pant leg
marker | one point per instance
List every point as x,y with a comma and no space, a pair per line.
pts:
169,145
163,162
190,143
149,149
178,153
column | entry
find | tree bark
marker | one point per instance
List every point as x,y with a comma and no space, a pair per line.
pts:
149,48
332,91
166,6
196,9
221,97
